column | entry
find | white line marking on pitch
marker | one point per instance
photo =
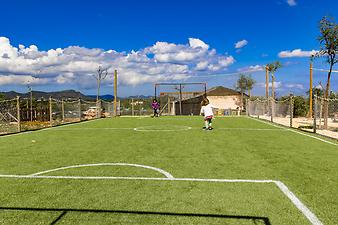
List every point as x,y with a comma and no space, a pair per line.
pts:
154,129
249,129
298,132
48,128
305,210
291,196
165,173
183,128
96,128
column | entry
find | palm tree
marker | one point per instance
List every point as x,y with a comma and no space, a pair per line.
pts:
272,68
244,83
250,83
241,86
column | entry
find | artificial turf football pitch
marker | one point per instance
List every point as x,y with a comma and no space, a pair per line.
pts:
168,170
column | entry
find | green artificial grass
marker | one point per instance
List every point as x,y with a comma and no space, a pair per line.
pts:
238,148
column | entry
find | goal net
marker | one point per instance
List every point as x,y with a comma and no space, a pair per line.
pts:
180,98
320,107
277,111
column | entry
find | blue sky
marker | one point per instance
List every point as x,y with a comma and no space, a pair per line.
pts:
56,45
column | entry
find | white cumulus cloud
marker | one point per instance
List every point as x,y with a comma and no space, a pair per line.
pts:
277,84
295,86
241,44
291,2
75,65
21,79
254,68
296,53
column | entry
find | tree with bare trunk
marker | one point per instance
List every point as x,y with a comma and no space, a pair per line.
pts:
101,75
329,48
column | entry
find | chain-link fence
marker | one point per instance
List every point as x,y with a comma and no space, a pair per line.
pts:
136,107
288,112
280,112
325,116
30,114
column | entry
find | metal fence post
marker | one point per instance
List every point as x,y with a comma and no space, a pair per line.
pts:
100,108
63,110
79,105
97,109
132,107
50,111
108,108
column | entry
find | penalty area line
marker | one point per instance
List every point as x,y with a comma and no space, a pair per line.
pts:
282,187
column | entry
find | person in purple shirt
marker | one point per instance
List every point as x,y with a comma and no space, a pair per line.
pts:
156,107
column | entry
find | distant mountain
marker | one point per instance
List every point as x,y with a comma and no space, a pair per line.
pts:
67,94
141,96
103,97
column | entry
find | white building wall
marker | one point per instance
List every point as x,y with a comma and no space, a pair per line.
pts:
225,102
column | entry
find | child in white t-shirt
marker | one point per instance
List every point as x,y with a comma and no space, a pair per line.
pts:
206,111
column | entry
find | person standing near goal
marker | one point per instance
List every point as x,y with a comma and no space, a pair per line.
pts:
156,107
207,113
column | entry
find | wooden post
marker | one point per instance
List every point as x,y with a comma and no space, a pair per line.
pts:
132,107
180,99
315,116
267,82
119,104
63,110
311,94
169,105
79,108
50,111
247,107
272,105
115,92
18,113
291,109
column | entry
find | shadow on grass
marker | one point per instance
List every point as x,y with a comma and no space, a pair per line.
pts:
64,211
